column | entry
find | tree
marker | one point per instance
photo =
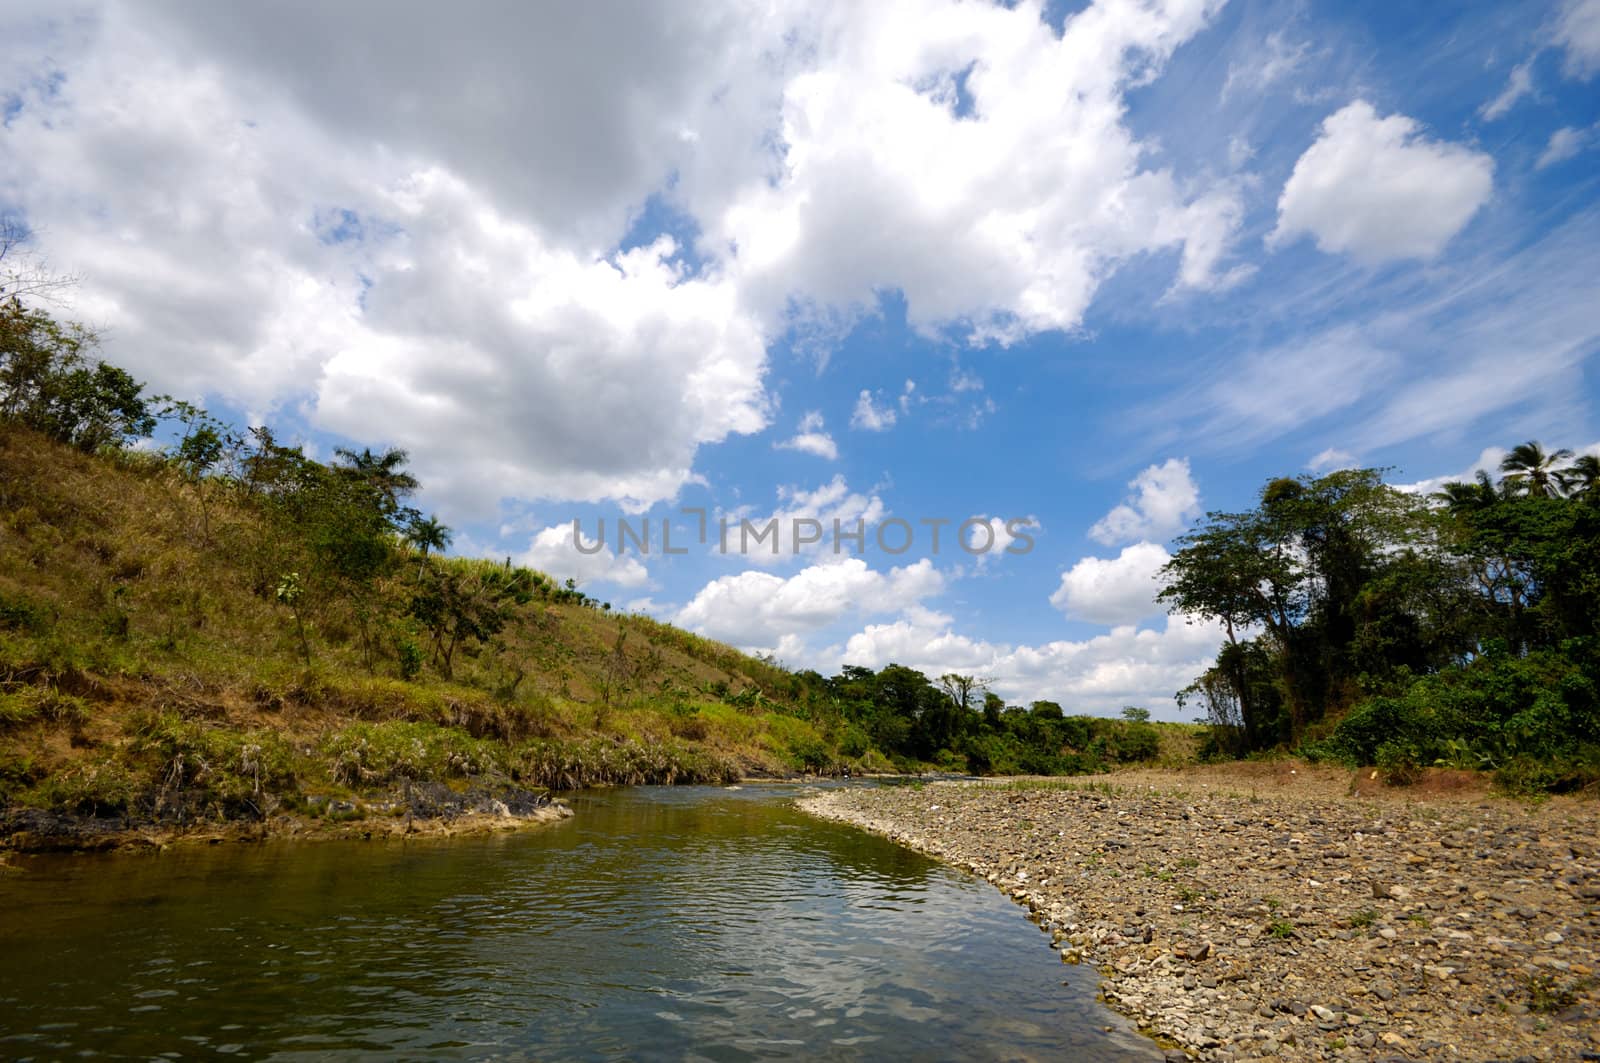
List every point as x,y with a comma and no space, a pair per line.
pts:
461,604
1583,478
50,382
1295,567
383,474
1135,714
1533,471
428,534
960,689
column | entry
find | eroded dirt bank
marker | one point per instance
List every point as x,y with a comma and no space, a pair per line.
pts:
427,809
1276,916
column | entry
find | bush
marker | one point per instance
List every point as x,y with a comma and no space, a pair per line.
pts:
1531,717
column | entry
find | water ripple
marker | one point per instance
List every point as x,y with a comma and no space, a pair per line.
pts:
680,924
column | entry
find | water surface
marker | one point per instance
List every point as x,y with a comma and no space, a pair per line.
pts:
690,923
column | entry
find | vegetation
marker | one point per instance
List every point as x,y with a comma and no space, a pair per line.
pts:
1375,626
224,628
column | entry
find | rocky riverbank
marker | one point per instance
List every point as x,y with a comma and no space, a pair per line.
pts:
1275,917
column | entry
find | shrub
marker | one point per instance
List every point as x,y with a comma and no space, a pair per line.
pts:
1531,717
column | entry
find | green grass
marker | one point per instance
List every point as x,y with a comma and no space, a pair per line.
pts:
147,669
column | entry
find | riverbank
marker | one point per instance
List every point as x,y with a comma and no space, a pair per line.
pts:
1272,915
424,810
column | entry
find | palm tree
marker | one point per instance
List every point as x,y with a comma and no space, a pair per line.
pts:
1535,472
1464,497
381,472
1583,478
428,535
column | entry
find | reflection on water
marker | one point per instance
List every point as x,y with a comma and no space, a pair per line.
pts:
689,923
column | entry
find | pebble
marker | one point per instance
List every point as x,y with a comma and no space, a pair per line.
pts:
1213,912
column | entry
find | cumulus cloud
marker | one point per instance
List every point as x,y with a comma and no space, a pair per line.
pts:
1126,666
337,211
1164,498
758,610
811,438
554,551
1377,189
277,242
869,416
990,539
1112,591
969,157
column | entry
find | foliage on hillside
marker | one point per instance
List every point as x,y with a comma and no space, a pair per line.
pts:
1378,626
225,627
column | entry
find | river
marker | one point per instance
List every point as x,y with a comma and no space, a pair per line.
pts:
692,923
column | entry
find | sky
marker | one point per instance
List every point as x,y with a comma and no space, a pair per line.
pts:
1048,282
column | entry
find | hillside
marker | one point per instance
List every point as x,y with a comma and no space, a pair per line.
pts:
153,672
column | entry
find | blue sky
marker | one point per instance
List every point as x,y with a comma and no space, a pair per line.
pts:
1100,267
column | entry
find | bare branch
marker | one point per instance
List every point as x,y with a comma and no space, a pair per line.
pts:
23,273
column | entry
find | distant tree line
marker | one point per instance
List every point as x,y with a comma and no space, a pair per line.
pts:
1375,625
957,724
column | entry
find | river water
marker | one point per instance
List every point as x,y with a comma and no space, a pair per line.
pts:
692,923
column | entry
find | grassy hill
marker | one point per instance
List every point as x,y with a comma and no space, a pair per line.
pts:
155,669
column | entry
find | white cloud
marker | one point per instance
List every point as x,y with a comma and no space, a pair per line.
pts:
420,251
996,537
801,516
1564,144
252,225
968,157
1331,459
1119,590
553,551
1164,499
1578,31
1377,189
1518,84
757,609
869,416
1126,666
812,439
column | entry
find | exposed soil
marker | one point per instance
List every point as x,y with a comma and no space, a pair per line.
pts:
424,809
